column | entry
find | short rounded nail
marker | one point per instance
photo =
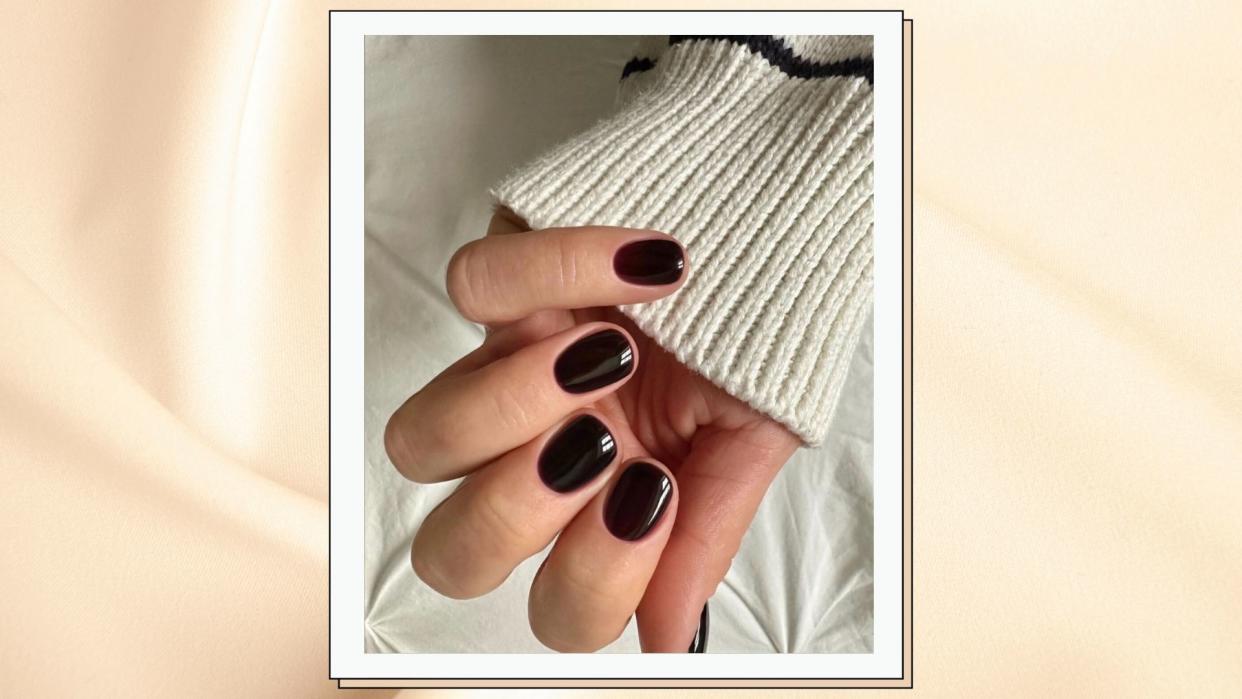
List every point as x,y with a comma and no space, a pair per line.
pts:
576,454
594,361
637,501
699,644
650,262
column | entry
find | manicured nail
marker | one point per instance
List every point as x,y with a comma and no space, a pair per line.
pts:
699,644
594,362
637,501
650,262
576,454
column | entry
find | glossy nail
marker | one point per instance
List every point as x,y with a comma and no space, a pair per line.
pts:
650,262
576,454
637,501
594,362
699,644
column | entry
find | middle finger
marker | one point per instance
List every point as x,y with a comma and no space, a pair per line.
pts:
457,423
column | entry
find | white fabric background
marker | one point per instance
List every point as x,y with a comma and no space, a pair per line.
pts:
445,118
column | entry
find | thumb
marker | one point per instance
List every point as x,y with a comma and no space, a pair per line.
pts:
721,484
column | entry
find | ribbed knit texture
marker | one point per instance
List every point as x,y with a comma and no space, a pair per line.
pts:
767,181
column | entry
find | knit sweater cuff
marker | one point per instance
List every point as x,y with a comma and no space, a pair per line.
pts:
757,156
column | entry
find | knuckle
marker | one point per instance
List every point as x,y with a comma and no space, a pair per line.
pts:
514,406
506,531
416,447
717,548
440,573
590,588
465,278
567,262
403,458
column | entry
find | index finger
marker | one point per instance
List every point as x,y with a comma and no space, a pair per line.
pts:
502,278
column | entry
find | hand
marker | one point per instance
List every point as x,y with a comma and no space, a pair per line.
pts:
569,419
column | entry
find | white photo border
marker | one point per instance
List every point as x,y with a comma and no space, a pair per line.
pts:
348,659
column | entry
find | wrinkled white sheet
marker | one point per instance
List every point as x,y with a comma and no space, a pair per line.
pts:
445,118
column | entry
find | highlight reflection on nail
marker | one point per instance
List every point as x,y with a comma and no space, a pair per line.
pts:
576,454
637,501
699,643
594,361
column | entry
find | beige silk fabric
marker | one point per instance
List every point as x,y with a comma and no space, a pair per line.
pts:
163,362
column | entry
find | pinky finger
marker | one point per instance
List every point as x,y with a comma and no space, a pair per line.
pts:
591,583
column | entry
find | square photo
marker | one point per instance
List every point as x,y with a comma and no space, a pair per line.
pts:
618,353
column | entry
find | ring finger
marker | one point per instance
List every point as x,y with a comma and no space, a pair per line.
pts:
510,509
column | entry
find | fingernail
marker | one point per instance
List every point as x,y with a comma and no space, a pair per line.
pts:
576,454
650,262
594,362
699,644
637,501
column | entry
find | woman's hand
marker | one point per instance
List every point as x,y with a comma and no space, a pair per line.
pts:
569,419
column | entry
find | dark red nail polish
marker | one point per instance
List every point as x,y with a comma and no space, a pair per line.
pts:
576,454
594,361
637,501
699,644
650,262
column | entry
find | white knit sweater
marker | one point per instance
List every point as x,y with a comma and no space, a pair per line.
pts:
756,153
